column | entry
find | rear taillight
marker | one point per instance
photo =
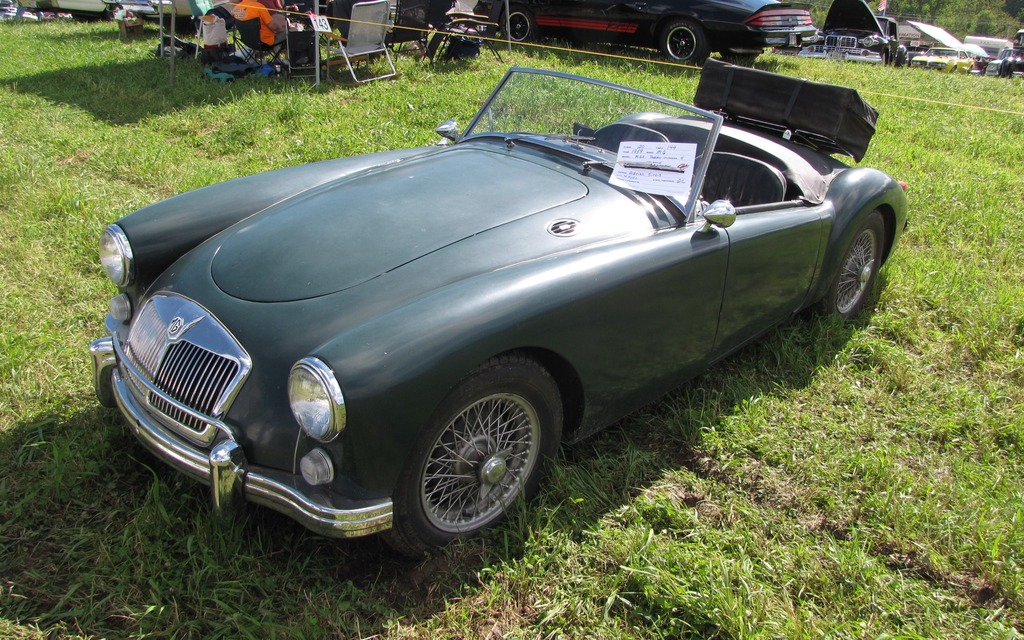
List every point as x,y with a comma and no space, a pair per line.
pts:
780,19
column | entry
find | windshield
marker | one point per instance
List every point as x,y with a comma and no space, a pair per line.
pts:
651,144
941,52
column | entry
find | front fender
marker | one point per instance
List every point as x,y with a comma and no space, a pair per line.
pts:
395,369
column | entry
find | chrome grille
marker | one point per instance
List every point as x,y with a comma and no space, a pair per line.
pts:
146,342
840,42
195,377
184,365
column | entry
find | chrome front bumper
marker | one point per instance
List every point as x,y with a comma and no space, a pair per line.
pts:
225,468
845,56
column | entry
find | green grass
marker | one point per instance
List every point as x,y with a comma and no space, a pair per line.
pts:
841,480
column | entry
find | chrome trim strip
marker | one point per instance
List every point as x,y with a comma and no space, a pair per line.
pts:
363,518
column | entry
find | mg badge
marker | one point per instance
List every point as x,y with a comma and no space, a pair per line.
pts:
175,327
563,227
179,326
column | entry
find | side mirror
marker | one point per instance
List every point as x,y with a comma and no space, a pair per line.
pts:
448,130
719,213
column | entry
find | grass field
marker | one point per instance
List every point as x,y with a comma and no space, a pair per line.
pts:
841,480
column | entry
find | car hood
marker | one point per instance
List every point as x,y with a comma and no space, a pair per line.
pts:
852,15
343,233
934,56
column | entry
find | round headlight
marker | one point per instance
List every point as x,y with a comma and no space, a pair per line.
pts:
316,399
116,255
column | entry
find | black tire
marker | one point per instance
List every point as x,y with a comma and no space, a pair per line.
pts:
684,41
857,271
485,447
522,25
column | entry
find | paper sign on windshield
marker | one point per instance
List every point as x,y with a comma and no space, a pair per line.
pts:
659,168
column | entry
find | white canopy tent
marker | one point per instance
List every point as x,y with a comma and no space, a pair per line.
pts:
937,34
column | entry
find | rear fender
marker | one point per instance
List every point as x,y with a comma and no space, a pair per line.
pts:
854,194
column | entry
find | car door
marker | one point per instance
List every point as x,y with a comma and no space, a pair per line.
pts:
651,326
593,20
773,258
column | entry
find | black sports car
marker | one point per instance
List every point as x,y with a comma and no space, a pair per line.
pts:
684,30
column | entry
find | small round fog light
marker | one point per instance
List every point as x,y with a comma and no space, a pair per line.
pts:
121,307
317,467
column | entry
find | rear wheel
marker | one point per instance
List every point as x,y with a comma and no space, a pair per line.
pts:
685,41
484,448
857,271
522,26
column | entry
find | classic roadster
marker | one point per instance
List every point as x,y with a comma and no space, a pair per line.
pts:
399,341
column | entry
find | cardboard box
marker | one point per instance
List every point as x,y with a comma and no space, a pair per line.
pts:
130,27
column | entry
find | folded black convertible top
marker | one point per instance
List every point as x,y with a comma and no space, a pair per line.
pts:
826,117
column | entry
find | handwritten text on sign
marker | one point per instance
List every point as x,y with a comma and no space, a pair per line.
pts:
659,168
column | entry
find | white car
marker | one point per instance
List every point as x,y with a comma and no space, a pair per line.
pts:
84,7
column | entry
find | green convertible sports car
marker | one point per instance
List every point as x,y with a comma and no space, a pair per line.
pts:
399,341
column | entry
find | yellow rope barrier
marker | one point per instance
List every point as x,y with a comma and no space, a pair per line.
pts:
945,104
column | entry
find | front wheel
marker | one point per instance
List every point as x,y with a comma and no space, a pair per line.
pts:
684,41
857,271
484,448
522,26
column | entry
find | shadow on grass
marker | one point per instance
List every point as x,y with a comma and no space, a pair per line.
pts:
619,463
129,92
100,536
121,93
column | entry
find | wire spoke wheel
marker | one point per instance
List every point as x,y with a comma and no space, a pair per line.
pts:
479,463
851,286
484,448
857,271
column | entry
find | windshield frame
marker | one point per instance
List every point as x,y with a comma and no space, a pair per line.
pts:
592,155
